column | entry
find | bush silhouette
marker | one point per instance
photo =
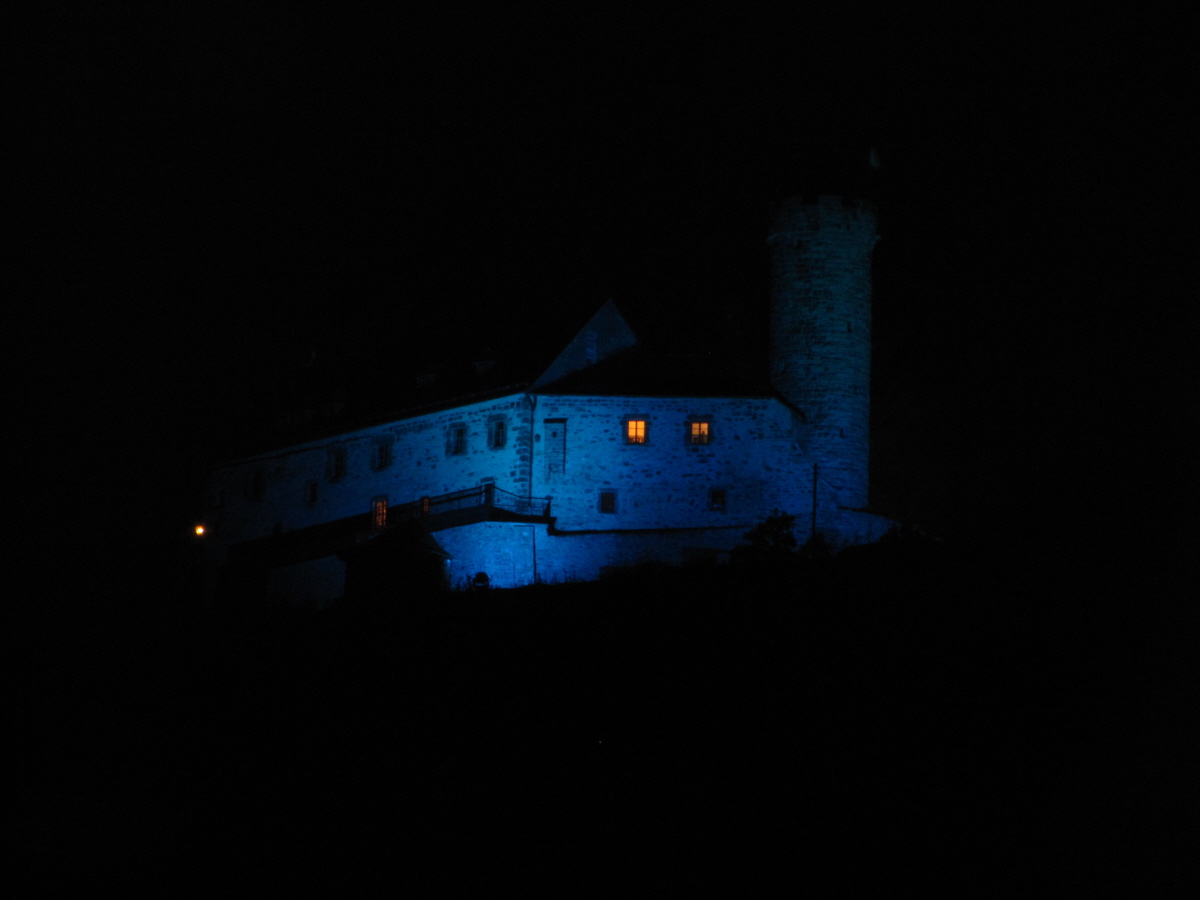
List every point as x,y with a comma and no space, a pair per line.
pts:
771,541
817,547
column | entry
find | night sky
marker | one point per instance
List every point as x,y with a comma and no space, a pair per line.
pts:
214,192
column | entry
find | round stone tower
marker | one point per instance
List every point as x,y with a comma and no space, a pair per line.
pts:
820,345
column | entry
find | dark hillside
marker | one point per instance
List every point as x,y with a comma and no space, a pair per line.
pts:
904,714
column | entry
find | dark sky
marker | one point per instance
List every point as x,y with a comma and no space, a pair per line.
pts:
214,191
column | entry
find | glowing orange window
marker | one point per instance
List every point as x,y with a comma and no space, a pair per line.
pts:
379,513
635,431
699,433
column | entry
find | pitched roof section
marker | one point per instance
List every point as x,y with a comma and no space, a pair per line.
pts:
605,335
503,358
663,372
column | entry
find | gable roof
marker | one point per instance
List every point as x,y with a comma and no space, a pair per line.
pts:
606,334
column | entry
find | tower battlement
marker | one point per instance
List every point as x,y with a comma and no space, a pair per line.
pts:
789,213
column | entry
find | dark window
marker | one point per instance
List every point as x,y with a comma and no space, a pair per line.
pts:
383,456
608,501
556,447
497,434
335,464
258,485
716,499
458,440
311,493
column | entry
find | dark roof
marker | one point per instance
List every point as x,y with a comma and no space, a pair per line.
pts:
661,372
333,396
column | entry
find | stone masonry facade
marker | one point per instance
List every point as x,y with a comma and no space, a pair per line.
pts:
614,479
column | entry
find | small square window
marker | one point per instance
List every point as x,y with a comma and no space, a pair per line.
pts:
699,432
635,431
608,501
716,499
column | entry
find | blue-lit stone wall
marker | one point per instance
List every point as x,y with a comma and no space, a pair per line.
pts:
615,502
272,493
667,482
671,500
821,331
513,555
585,556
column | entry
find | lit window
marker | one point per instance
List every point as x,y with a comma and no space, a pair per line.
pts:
608,501
379,512
699,432
716,499
635,431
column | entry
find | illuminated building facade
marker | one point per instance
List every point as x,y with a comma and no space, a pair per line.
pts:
607,457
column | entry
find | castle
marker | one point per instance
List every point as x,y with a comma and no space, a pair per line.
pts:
606,457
